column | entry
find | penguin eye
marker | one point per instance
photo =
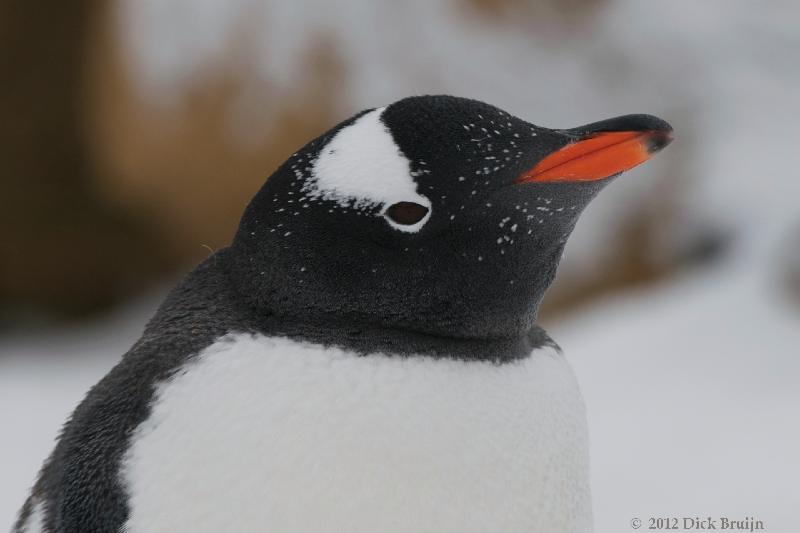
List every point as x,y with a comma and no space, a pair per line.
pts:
406,213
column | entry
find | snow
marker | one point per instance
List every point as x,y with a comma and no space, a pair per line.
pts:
43,376
692,397
691,385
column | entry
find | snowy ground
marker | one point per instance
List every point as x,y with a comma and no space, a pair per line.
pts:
42,378
693,401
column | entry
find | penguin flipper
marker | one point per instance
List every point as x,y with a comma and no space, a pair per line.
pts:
79,489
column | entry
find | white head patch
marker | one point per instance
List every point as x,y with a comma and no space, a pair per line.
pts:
362,167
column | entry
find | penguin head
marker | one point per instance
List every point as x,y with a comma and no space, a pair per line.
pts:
435,214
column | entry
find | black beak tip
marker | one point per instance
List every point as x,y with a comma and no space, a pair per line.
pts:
646,123
657,140
639,122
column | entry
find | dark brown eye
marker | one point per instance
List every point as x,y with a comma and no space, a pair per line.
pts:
406,213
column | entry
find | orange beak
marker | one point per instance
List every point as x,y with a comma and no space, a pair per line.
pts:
597,156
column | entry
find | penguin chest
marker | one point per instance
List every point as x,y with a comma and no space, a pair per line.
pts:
268,434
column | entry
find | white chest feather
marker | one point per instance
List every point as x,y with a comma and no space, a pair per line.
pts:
269,435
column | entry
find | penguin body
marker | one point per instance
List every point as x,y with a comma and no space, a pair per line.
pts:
253,422
365,355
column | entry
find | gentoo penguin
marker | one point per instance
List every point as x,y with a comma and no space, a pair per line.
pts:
364,356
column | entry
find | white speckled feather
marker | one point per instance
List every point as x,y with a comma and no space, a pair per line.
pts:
268,434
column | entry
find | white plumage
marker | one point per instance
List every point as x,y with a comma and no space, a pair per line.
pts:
269,434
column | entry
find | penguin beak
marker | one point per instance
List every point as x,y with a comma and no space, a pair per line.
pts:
602,149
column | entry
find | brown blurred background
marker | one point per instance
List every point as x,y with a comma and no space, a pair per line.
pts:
102,192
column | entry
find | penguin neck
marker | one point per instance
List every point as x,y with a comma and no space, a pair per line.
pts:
368,339
236,314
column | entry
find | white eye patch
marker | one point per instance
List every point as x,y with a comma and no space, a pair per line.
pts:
362,167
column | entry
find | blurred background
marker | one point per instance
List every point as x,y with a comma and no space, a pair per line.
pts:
132,134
